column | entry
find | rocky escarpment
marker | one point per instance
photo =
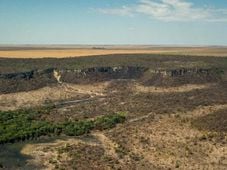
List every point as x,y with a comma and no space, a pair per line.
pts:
182,76
26,81
34,79
27,75
98,74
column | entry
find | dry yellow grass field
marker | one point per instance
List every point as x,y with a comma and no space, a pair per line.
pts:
77,52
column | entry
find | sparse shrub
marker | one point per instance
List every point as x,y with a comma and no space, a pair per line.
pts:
145,140
177,164
109,121
203,137
121,151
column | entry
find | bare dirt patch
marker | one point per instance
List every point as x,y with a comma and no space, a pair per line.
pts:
47,154
47,95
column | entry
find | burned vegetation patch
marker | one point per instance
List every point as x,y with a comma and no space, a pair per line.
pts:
216,122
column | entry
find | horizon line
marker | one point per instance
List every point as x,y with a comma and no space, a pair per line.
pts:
101,45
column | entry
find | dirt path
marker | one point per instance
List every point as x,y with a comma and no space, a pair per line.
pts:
109,145
50,94
142,117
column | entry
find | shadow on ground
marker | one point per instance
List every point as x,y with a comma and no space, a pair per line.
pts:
216,121
12,158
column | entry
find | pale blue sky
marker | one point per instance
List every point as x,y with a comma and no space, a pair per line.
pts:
184,22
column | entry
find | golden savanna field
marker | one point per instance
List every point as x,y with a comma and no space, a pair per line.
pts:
64,51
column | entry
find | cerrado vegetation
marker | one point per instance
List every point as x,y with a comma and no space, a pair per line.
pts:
22,125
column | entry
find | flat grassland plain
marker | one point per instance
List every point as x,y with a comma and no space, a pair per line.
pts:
113,107
61,51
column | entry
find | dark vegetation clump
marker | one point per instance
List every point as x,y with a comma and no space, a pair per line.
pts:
21,125
106,122
214,122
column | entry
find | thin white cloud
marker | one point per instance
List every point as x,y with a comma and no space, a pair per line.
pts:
123,11
170,10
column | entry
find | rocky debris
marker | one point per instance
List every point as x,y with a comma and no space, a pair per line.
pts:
57,76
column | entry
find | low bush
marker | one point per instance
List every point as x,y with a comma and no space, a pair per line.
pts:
22,125
109,121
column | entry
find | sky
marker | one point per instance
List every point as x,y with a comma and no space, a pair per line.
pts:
153,22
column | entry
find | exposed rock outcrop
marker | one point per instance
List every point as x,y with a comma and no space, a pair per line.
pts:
196,71
175,77
25,81
57,76
34,79
101,74
22,75
27,75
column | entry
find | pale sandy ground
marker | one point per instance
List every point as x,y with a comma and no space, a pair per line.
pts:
65,91
168,143
181,89
38,97
170,140
42,153
62,53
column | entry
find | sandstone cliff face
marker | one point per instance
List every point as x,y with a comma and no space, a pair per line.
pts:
25,81
188,71
27,75
196,71
98,74
34,79
22,75
175,77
